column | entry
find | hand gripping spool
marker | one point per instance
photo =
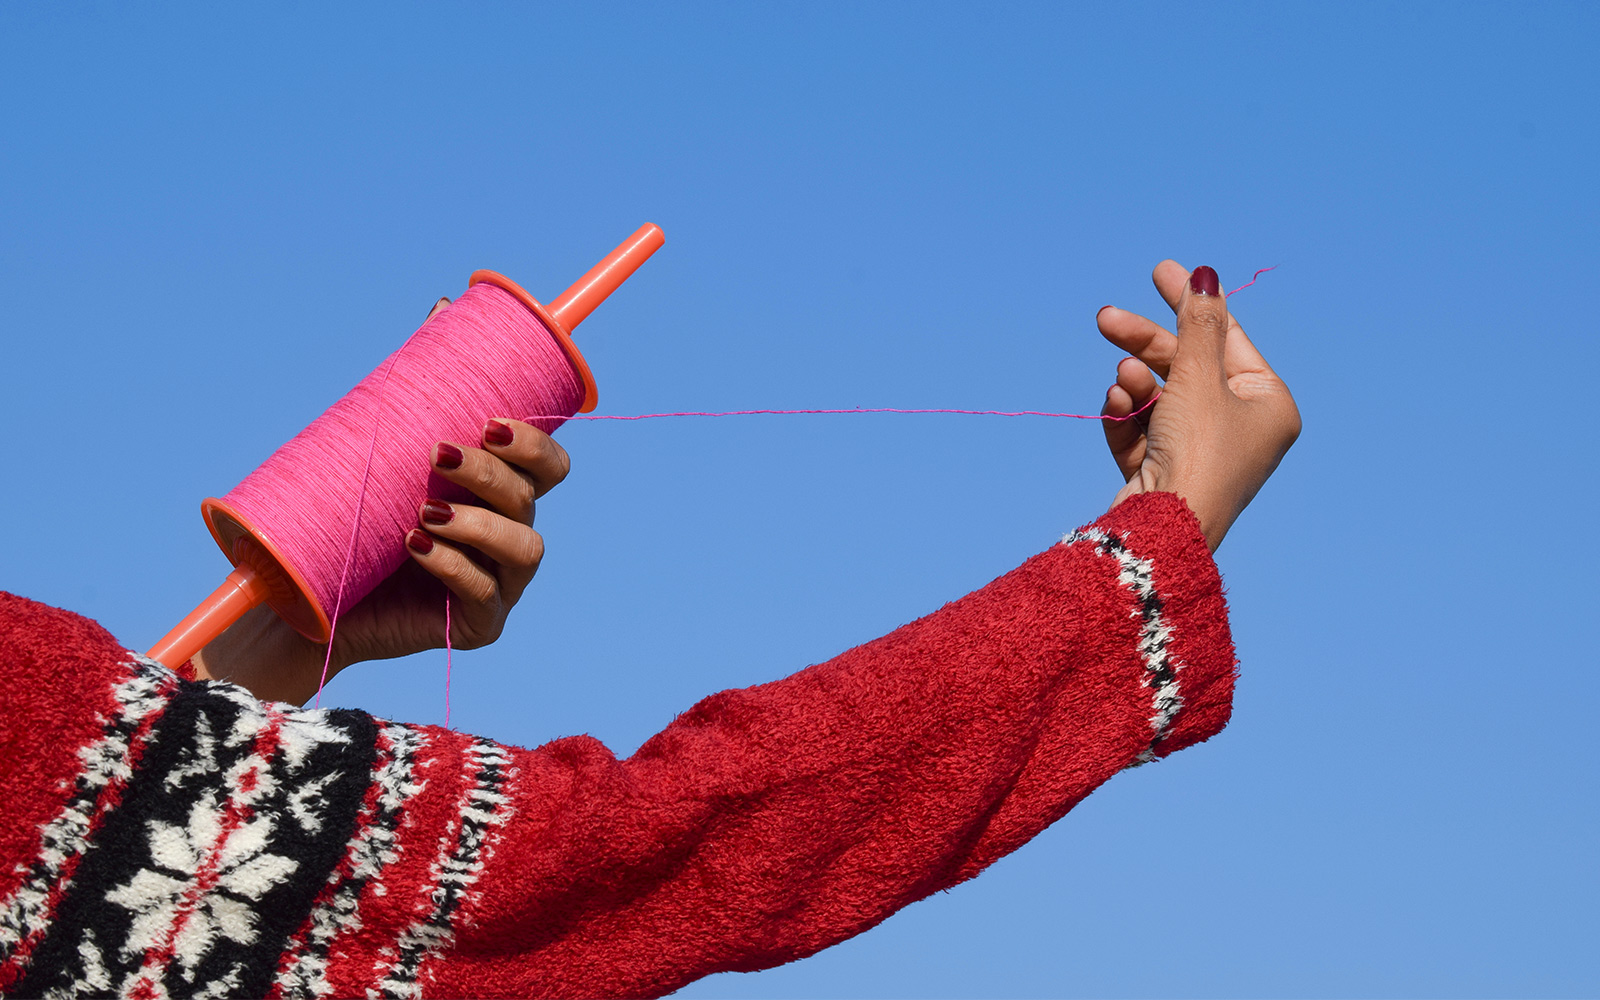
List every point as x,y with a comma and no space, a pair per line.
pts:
263,575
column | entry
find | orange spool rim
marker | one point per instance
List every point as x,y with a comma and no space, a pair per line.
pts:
591,392
305,615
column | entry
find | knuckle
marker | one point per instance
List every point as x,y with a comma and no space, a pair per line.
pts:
546,459
481,474
480,588
482,636
1205,314
522,504
1204,317
1292,427
537,450
516,545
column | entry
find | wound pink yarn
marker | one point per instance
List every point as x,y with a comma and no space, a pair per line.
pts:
338,499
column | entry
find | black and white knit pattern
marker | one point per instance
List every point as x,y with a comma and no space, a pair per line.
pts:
25,915
1155,635
230,824
483,810
374,848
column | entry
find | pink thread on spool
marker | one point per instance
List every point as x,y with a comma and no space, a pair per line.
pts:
322,521
484,355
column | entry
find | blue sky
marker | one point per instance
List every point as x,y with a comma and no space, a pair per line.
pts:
215,219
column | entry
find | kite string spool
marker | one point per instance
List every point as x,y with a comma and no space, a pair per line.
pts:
255,530
339,497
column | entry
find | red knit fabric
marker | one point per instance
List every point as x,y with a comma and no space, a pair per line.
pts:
761,826
54,693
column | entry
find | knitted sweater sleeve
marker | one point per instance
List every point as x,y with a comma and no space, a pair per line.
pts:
172,838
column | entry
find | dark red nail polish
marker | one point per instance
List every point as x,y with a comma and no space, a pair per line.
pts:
437,512
419,541
1204,282
449,456
495,432
1100,310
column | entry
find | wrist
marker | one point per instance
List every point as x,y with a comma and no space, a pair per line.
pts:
1215,512
266,657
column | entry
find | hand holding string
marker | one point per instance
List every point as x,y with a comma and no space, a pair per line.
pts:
1224,419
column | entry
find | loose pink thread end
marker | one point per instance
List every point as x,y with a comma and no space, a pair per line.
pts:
1254,278
447,657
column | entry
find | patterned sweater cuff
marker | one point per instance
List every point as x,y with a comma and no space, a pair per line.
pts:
1185,642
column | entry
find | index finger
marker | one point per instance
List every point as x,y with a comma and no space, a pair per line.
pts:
529,450
1145,340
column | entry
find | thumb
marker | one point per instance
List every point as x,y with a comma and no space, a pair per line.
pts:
1202,330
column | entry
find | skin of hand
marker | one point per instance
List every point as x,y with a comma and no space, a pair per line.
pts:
1224,420
486,556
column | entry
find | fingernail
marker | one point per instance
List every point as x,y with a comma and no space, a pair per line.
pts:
495,432
443,299
1204,282
419,541
437,512
449,456
1100,310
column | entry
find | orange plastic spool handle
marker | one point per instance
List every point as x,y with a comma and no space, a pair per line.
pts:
242,590
575,304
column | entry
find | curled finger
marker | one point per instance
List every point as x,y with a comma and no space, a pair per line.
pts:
515,548
530,450
495,482
1125,438
1139,382
475,585
1146,340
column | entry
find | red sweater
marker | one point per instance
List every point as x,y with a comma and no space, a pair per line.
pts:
170,838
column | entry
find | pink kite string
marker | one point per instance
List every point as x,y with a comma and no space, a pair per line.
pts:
484,354
355,527
892,409
1254,278
866,409
652,416
447,657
